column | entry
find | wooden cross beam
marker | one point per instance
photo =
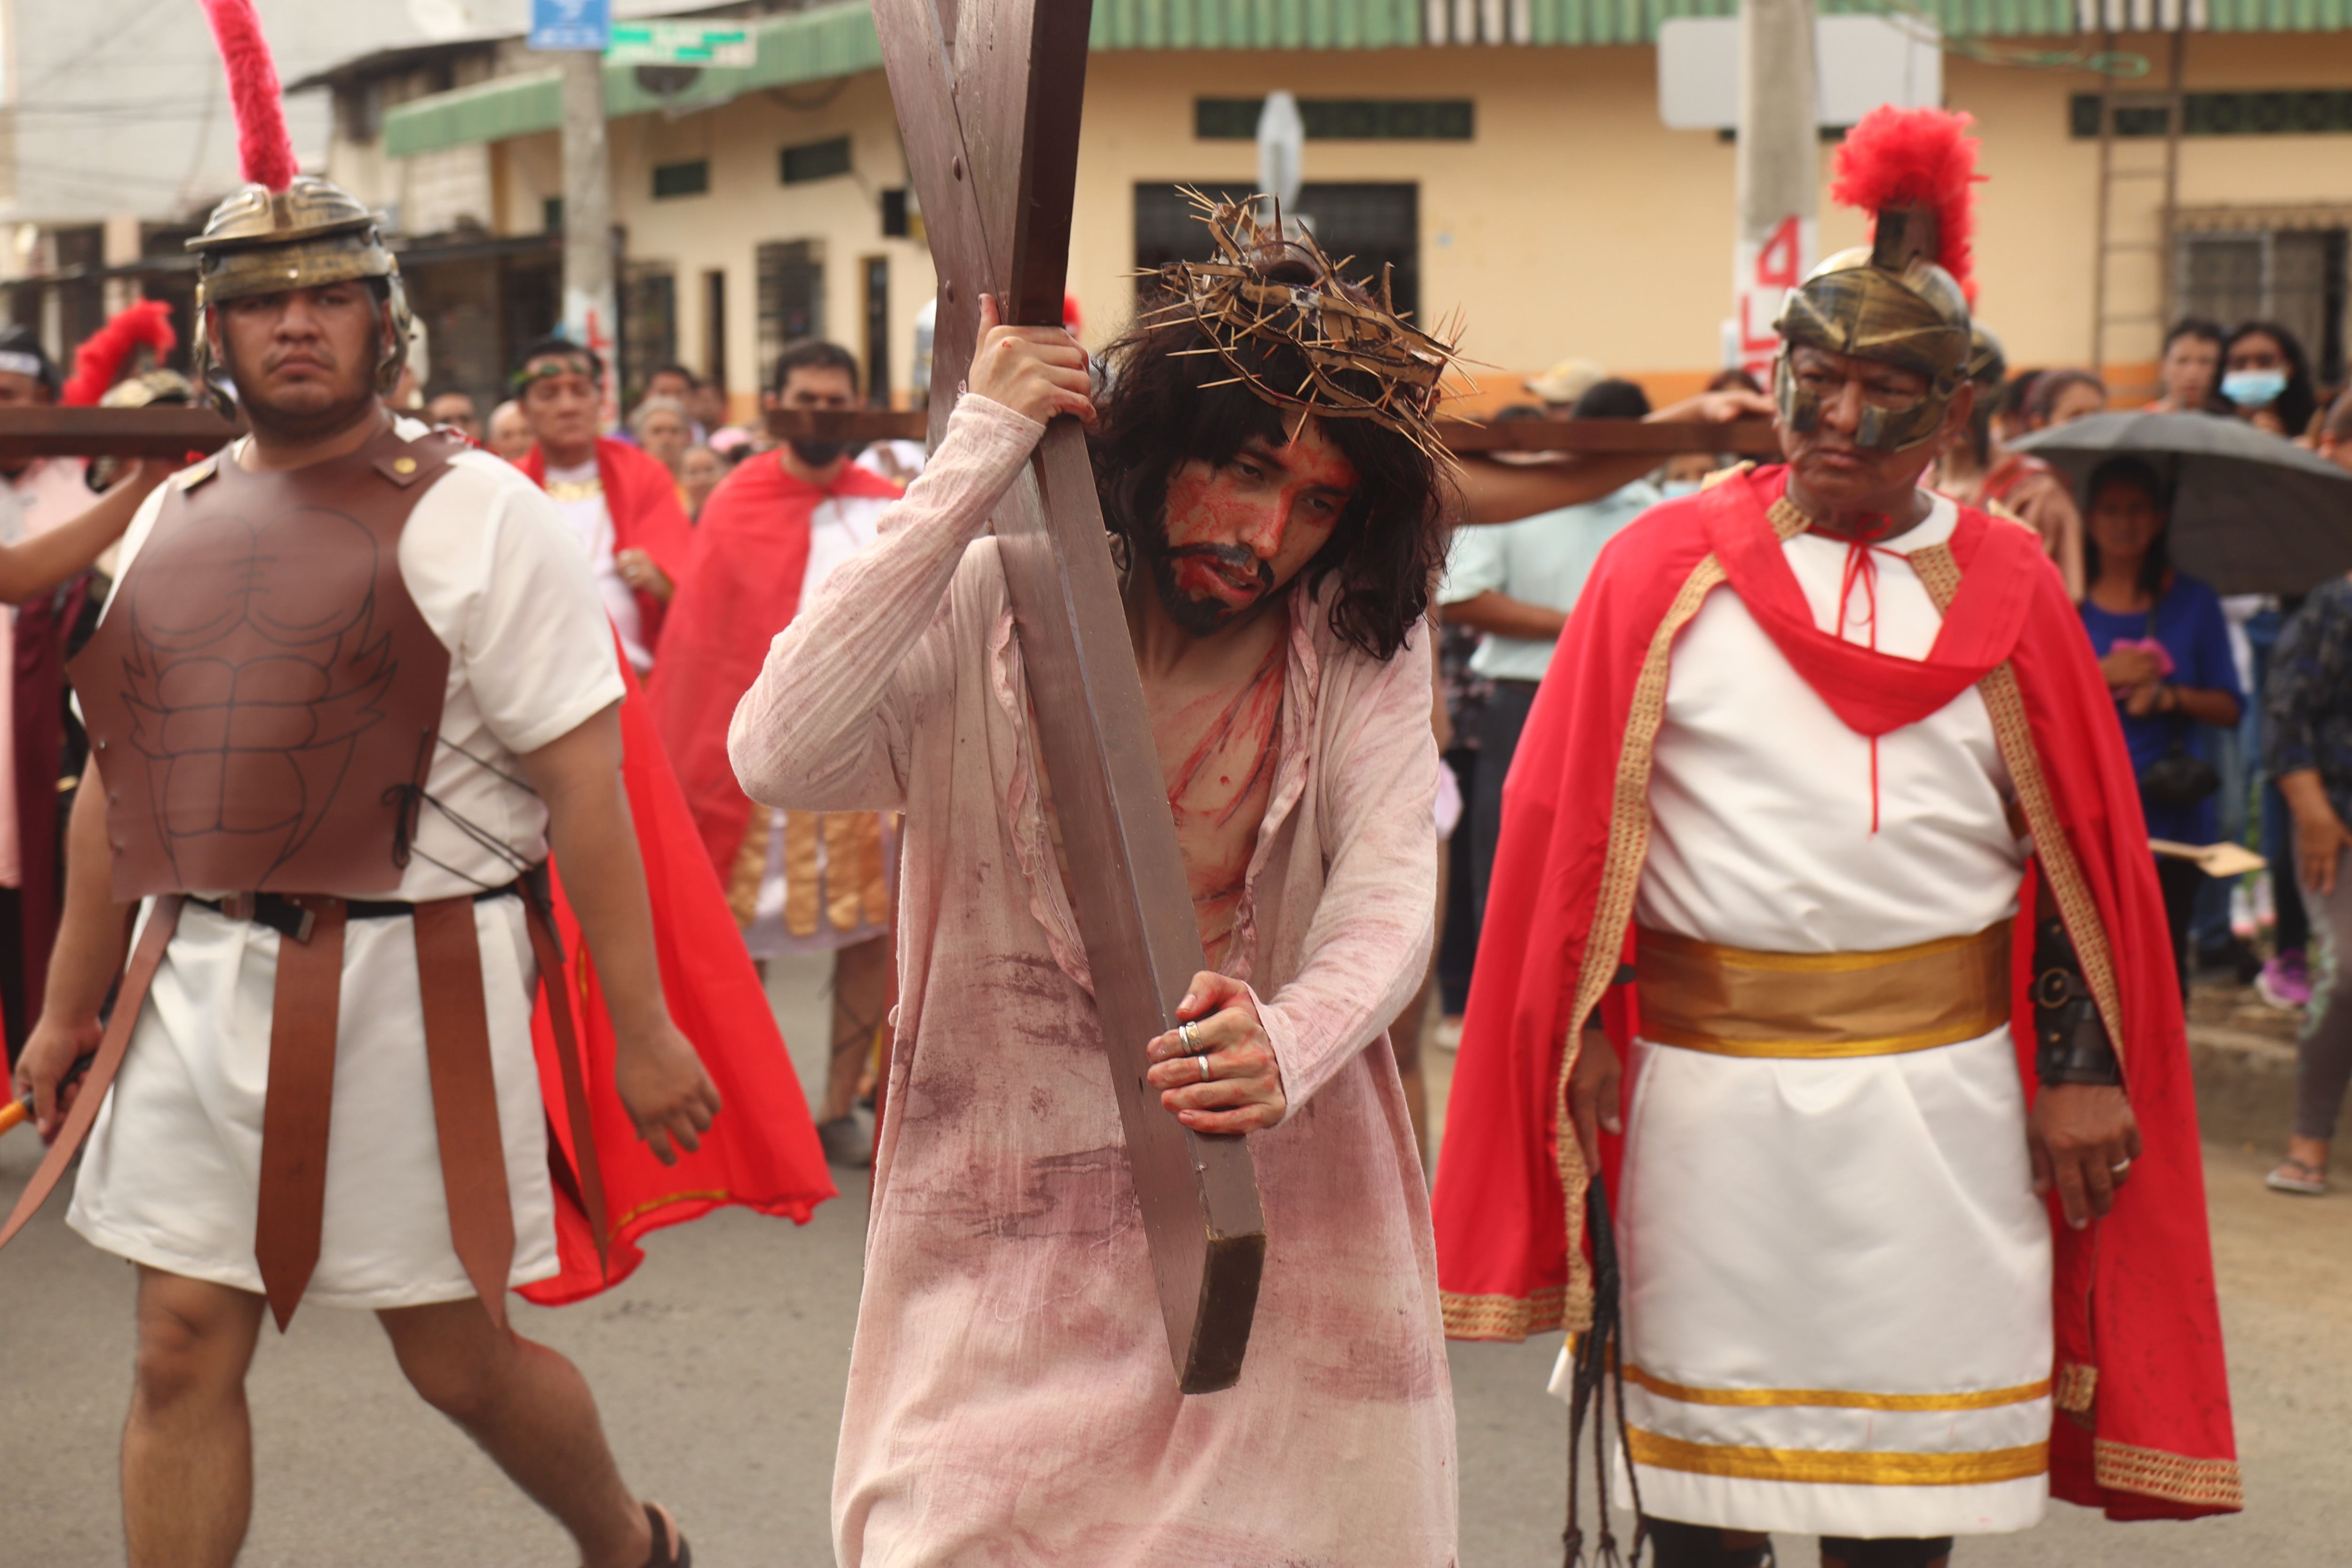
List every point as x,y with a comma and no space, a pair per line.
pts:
169,431
1747,438
988,96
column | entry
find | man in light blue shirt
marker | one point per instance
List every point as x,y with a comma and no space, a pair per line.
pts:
1514,582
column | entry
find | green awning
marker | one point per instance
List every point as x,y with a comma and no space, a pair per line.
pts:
838,40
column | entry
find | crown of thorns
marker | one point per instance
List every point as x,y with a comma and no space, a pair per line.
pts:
1363,361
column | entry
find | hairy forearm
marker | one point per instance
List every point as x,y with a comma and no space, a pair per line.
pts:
93,930
1505,617
38,564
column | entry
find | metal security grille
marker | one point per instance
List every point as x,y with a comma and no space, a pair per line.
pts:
792,297
1344,118
815,161
682,179
1376,225
2293,277
649,323
2317,112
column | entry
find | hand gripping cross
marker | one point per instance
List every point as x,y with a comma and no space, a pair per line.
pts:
987,95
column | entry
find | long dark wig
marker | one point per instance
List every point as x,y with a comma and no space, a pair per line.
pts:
1160,412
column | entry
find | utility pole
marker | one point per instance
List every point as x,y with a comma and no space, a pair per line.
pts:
591,312
1777,175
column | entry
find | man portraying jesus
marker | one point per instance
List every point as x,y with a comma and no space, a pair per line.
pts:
1010,1394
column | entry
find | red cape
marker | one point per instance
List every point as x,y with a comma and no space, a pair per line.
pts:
642,496
762,1151
742,585
2138,1334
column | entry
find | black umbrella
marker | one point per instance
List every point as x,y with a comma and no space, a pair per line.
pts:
2251,513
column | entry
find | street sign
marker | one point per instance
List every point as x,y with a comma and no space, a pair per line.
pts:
570,24
679,44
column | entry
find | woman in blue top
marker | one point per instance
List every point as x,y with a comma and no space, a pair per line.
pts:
2165,650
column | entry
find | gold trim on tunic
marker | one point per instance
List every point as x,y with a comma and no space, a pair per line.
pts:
1822,1466
1837,1399
1735,1002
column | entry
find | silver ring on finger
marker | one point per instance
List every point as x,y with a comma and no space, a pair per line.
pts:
1191,1034
2120,1168
1203,1061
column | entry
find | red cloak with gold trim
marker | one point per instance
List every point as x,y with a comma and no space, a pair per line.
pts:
762,1151
2146,1429
742,585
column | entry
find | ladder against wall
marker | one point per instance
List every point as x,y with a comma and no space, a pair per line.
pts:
2132,282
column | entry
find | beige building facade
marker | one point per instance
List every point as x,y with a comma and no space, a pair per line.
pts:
1529,187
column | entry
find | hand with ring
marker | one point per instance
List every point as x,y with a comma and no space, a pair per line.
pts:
1215,1071
2082,1139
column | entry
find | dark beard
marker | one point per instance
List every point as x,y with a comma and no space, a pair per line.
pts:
1204,618
817,454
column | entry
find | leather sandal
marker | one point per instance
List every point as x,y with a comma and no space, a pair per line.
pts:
670,1550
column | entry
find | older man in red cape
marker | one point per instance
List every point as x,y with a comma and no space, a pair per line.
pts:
1767,834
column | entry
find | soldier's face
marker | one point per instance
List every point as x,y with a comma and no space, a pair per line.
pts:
1831,464
562,403
305,358
1235,535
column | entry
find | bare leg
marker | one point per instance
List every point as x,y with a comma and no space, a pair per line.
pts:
187,1449
861,990
531,1411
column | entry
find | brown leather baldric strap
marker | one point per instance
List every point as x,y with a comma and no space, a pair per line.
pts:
465,1097
549,955
306,1012
129,1002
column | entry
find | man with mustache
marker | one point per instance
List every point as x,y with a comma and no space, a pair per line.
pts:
1010,1394
1818,751
799,881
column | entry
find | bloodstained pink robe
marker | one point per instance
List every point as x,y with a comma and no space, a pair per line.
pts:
1011,1399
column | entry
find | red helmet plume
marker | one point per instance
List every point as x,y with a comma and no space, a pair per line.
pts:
101,357
1918,158
264,149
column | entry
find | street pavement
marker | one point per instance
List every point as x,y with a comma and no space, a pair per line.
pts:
720,1370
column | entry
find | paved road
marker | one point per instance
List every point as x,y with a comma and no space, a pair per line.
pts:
720,1368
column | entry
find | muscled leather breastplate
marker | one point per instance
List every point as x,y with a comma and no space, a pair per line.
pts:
263,695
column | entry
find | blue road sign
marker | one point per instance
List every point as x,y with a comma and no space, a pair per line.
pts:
570,23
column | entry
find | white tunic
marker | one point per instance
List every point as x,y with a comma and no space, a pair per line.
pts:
1858,1234
839,526
170,1177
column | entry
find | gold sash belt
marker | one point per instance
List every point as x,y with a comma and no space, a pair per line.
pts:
1737,1003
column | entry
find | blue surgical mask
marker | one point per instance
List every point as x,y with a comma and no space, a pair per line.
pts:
2254,388
1671,488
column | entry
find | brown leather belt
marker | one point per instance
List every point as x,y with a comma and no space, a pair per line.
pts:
300,1097
1737,1003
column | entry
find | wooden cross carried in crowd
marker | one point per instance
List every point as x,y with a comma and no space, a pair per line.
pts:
987,95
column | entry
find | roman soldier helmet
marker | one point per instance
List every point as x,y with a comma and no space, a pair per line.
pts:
281,229
1903,299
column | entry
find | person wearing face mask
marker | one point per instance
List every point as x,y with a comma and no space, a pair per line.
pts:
800,881
2267,379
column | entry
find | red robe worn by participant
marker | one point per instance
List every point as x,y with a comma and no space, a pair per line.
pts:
766,541
639,498
762,1152
2143,1427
